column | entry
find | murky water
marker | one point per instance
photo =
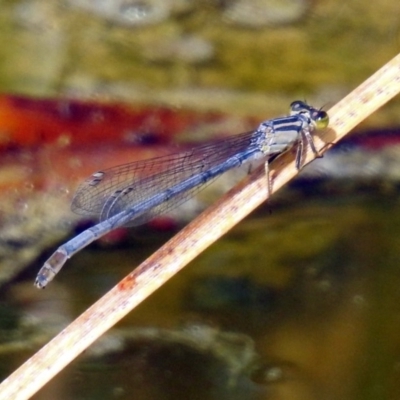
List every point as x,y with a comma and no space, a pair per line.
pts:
297,302
301,300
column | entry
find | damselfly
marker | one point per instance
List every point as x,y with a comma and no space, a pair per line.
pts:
134,193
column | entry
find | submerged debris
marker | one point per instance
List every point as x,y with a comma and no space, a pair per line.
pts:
128,12
261,13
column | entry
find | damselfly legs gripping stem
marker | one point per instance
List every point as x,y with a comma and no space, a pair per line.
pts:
134,193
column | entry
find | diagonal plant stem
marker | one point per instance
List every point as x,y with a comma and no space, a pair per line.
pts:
192,240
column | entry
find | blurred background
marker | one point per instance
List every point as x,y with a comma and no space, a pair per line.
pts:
300,300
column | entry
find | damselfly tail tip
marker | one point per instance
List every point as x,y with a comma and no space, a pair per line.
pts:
50,269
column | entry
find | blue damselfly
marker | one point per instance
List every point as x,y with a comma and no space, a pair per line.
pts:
134,193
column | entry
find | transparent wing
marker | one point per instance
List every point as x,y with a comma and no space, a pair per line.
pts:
113,190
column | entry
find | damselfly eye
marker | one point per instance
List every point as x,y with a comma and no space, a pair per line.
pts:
298,106
321,119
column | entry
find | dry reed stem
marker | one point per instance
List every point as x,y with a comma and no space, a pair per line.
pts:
192,240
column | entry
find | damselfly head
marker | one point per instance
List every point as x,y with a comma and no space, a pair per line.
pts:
320,118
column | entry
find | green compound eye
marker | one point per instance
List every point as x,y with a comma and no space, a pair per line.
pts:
321,119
